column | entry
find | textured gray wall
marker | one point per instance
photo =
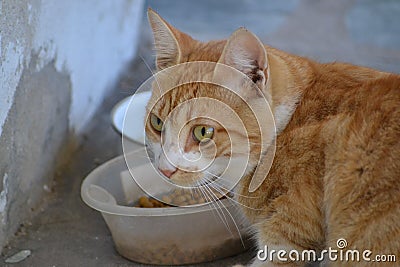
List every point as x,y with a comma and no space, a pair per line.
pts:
35,132
58,61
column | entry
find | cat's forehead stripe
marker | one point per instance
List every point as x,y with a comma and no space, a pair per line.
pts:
174,97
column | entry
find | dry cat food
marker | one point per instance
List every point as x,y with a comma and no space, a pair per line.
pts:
149,202
177,198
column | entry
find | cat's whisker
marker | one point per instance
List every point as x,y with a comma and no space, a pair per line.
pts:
221,205
232,199
222,187
213,200
229,213
210,202
152,74
237,202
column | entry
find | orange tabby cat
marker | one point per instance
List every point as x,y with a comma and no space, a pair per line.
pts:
336,171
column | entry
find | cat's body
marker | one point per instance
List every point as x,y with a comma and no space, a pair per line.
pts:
336,171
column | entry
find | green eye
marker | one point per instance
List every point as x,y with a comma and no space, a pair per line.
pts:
156,122
202,133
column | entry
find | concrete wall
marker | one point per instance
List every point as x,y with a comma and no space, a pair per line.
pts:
58,59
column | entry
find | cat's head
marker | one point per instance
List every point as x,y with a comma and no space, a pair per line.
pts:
196,128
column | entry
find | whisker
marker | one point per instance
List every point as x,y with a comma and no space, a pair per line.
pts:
213,204
232,199
152,74
230,215
226,189
217,204
237,202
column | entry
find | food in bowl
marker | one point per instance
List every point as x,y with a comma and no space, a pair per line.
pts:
162,236
179,197
149,202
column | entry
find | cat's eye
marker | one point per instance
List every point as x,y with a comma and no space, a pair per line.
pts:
203,133
156,122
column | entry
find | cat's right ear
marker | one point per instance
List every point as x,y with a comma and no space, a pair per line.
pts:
168,41
246,53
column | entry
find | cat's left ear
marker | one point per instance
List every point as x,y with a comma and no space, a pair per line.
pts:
246,53
170,43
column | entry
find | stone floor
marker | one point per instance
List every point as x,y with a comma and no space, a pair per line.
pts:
367,32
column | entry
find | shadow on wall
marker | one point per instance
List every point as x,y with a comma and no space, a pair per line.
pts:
32,143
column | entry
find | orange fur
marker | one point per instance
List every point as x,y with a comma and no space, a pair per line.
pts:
336,172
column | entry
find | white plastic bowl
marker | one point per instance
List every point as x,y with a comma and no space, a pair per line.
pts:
164,236
134,123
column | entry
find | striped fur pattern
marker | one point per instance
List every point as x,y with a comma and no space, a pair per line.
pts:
336,172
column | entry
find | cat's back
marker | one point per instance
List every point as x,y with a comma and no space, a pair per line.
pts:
340,88
362,177
376,107
383,92
365,130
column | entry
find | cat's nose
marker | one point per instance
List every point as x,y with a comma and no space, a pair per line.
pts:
167,173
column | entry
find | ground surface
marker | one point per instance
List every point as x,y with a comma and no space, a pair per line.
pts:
68,233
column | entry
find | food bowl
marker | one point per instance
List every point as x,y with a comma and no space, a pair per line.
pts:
134,125
162,236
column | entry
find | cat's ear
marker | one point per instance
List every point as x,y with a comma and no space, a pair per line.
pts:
246,53
168,41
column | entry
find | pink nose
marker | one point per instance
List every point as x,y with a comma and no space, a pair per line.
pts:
167,173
